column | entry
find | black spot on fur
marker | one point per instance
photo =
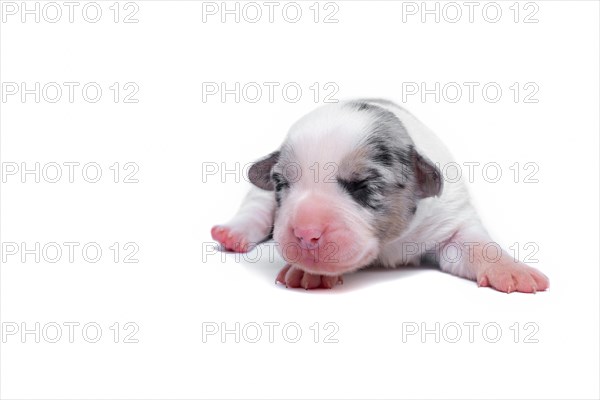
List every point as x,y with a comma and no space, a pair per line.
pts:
383,141
280,184
403,156
360,106
372,175
430,259
382,155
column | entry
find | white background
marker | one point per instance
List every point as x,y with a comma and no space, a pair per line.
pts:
179,283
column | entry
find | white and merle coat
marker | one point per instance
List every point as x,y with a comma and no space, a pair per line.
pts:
356,184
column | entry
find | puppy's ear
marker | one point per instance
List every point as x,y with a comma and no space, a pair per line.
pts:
428,176
260,172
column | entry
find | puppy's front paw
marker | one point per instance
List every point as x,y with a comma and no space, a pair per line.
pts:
233,239
513,277
294,277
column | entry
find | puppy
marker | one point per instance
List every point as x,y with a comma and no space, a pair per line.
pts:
356,184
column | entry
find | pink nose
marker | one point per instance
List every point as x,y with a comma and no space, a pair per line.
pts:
308,238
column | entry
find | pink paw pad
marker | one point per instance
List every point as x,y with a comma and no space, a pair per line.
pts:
293,277
229,239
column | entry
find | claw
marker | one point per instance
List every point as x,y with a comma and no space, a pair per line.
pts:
512,277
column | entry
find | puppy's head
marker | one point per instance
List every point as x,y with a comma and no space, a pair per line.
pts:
347,179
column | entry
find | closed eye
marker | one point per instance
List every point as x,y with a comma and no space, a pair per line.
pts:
354,186
362,191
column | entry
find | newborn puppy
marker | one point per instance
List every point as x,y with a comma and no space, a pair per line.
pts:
356,184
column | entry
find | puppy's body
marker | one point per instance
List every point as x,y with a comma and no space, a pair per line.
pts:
437,219
358,183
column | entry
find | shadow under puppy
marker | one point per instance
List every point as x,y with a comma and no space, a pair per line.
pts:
356,184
